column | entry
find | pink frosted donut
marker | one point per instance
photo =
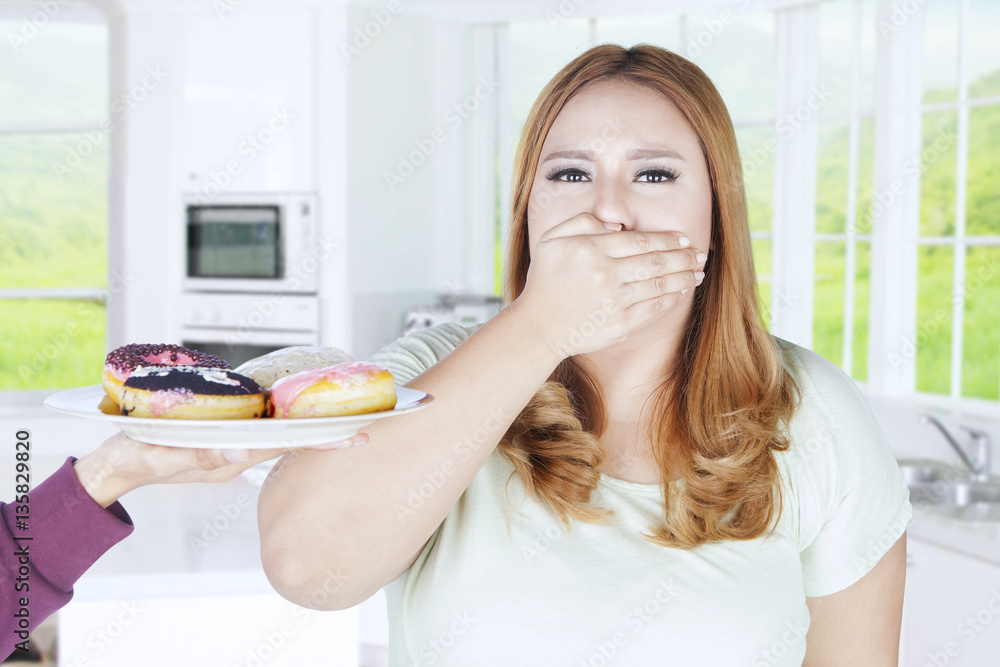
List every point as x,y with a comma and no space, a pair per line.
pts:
120,363
350,388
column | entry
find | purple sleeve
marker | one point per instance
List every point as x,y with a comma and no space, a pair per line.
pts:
68,532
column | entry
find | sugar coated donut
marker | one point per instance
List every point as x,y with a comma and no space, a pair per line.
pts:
270,368
351,388
191,392
120,363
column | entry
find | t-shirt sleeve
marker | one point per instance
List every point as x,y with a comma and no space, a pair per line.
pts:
410,355
853,502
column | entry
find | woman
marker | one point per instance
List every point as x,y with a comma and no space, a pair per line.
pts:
623,465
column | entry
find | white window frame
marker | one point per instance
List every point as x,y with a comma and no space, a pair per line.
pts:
960,242
796,74
17,398
894,233
808,31
44,127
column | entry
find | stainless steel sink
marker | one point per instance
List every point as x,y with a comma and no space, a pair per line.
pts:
971,501
945,490
929,481
970,493
927,471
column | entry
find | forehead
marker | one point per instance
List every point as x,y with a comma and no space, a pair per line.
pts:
623,110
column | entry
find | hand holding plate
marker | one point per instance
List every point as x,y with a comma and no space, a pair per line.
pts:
121,464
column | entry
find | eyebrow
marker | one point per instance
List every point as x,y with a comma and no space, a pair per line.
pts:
633,154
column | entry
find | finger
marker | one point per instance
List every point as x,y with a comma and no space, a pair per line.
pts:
174,465
237,458
236,455
644,290
170,461
659,263
359,439
628,243
643,311
581,223
262,455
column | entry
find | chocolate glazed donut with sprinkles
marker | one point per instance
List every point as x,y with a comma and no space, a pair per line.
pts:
122,362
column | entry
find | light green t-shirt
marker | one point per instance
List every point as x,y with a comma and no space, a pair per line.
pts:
501,582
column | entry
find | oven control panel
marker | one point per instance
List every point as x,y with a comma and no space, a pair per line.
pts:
251,312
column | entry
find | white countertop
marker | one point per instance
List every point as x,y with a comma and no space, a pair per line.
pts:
978,539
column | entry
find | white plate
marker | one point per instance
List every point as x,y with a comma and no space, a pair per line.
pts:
259,433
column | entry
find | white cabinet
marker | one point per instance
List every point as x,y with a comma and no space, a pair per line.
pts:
248,101
198,619
951,609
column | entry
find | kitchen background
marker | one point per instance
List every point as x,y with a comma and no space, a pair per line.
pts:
383,132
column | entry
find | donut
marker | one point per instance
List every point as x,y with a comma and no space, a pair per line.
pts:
191,392
351,388
120,363
270,368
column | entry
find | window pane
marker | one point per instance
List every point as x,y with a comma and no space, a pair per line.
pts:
940,67
982,203
933,331
736,50
831,178
762,266
981,324
984,56
51,344
53,210
869,78
937,179
862,282
629,31
757,148
53,70
538,51
866,175
835,46
828,301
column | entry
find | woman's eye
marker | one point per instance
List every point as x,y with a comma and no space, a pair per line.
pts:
567,176
657,176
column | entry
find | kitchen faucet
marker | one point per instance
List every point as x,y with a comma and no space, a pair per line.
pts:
979,469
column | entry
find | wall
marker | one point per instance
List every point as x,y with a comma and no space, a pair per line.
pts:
406,174
402,243
909,438
145,204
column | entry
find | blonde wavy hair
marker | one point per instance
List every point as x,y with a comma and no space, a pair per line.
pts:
723,409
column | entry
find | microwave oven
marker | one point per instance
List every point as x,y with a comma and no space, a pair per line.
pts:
252,243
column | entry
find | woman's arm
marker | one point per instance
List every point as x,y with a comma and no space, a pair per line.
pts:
348,522
337,526
860,625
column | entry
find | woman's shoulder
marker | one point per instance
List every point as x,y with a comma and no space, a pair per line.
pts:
410,355
849,502
833,434
802,361
823,385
